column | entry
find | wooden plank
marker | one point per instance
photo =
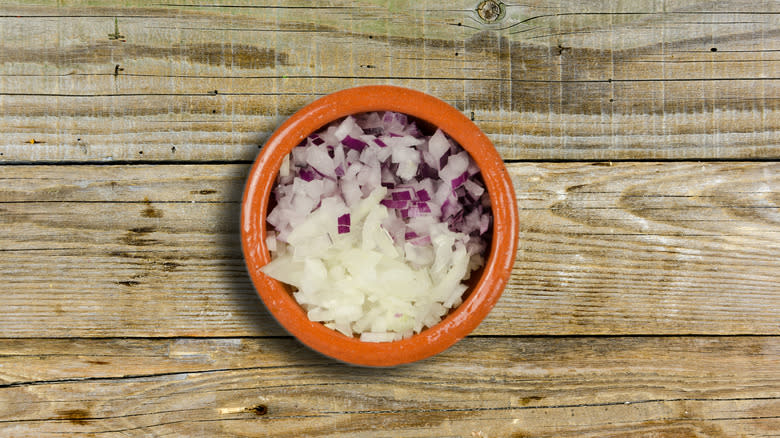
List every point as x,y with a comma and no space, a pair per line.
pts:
566,81
584,387
628,248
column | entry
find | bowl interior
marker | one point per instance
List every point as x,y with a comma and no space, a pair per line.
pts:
428,129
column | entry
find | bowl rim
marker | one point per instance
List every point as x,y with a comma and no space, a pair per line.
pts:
499,261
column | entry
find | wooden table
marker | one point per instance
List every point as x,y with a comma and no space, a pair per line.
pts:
643,139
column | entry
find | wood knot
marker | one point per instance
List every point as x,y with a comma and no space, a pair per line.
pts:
491,11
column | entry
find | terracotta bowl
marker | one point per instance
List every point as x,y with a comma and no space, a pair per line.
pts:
487,285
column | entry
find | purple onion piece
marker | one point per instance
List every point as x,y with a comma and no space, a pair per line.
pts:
389,203
307,174
424,171
423,195
402,196
457,182
354,143
444,160
423,207
445,207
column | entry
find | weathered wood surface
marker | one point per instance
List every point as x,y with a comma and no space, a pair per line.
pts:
541,387
93,81
631,248
126,309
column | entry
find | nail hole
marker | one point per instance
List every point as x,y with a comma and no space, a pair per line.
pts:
259,410
714,49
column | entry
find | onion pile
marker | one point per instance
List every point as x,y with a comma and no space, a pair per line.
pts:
377,226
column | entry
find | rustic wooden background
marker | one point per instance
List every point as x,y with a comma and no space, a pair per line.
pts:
643,138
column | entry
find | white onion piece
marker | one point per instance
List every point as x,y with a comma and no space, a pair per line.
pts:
377,226
438,145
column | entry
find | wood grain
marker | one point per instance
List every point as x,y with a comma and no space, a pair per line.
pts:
496,387
627,248
565,81
127,132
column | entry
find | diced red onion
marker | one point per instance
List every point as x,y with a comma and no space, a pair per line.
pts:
353,143
458,181
423,195
423,207
392,203
307,174
402,195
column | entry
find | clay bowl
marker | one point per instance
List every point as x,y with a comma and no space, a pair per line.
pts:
486,285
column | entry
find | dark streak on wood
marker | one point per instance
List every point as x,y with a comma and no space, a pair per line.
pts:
135,236
525,401
129,283
75,416
151,212
234,55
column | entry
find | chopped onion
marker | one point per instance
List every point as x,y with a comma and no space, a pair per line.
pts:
377,226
